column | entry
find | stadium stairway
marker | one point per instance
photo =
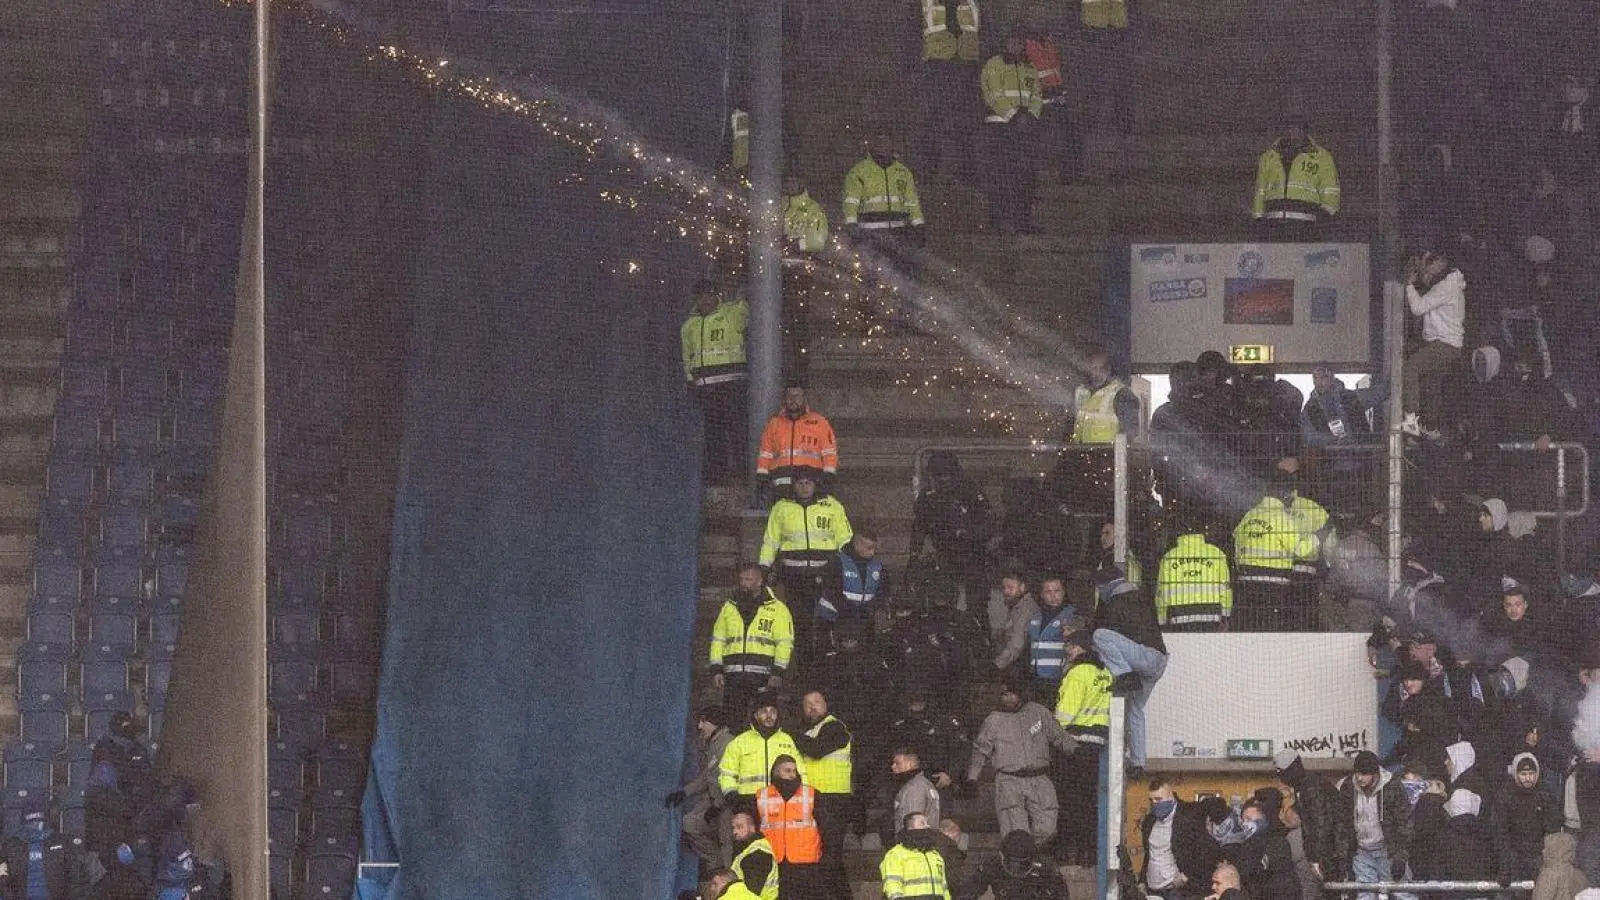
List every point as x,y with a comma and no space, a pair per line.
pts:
1209,87
43,131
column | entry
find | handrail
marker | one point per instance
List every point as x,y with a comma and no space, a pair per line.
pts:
1561,448
1382,888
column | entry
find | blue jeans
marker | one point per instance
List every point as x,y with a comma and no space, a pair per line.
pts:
1371,867
1122,655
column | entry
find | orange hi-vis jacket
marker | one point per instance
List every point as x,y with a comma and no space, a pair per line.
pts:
790,826
804,441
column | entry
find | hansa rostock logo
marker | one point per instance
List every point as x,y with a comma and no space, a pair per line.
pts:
1178,289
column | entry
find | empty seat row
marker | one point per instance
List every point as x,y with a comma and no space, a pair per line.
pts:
130,580
113,621
46,718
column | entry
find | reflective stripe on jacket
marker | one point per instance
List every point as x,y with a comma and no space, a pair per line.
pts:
1083,704
790,826
937,41
1268,537
806,535
1009,87
760,647
879,197
713,344
1304,189
1194,585
807,441
913,874
769,890
1095,413
747,762
832,773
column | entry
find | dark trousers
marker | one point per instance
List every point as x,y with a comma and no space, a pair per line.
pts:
1259,606
897,248
722,408
801,589
801,881
1011,171
1062,141
1077,778
835,812
739,692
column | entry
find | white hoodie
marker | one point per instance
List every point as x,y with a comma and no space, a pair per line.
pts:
1443,309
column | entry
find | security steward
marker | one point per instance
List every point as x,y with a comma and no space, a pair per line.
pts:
1083,710
913,869
789,813
1267,543
1194,590
751,642
1296,181
747,762
753,859
801,547
826,746
714,365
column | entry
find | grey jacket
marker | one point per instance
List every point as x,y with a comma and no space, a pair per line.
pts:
1008,627
917,795
1019,742
704,784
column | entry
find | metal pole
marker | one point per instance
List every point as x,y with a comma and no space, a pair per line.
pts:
764,333
259,885
1394,323
1561,511
1116,778
1119,499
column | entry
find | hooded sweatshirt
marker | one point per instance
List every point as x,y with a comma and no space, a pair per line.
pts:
1559,878
1520,819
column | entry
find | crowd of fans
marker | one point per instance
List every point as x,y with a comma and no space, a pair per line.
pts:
1252,507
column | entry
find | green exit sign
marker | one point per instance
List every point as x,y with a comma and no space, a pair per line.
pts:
1248,748
1250,354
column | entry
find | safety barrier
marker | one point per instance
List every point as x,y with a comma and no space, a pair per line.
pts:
1384,888
1560,489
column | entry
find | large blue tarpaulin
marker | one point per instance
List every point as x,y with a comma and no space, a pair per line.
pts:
542,588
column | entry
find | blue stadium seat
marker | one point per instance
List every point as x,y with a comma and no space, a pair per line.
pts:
58,580
335,813
298,578
61,531
151,337
49,627
175,509
280,870
157,677
352,681
144,383
30,765
305,529
91,337
104,669
298,627
123,526
70,802
58,605
136,428
341,764
80,757
298,721
131,475
99,707
285,767
83,380
171,578
113,621
292,670
43,717
71,480
14,800
121,580
283,818
164,619
153,727
79,430
42,669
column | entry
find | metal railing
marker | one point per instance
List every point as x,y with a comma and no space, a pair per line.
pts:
1385,888
1562,512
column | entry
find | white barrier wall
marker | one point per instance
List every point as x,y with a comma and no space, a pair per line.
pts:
1310,302
1309,692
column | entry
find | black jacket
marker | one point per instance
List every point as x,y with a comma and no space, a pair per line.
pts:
1033,880
1196,851
1130,613
1318,804
1394,817
1265,864
63,868
1519,819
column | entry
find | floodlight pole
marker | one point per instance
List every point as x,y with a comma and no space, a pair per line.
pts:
1393,299
764,330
